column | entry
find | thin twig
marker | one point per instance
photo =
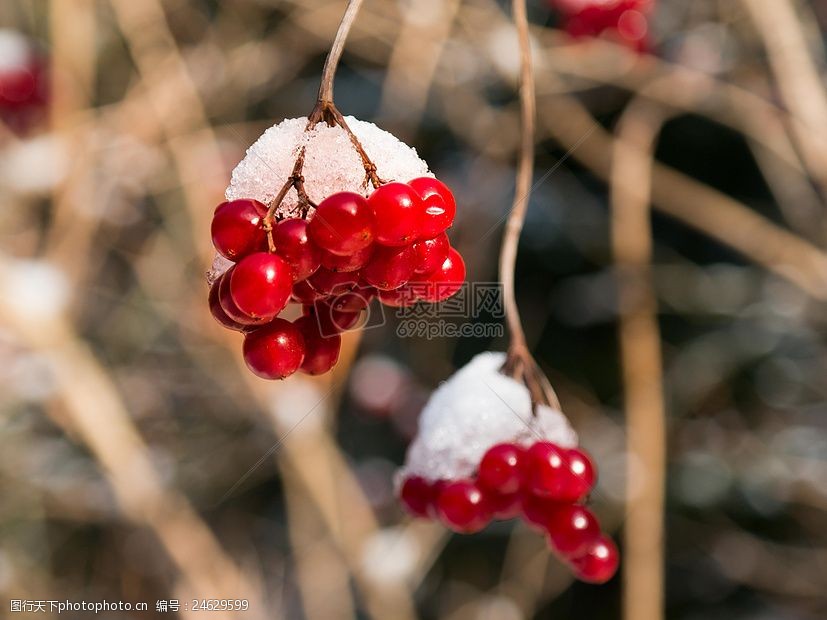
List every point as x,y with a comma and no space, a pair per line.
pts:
799,82
631,183
332,61
520,364
696,204
525,170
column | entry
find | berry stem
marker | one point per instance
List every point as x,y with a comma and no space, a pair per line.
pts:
335,54
520,364
328,112
294,180
325,110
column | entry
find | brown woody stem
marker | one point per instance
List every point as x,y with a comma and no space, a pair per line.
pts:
519,363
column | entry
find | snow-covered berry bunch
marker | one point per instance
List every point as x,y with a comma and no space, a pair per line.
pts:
485,449
626,21
367,236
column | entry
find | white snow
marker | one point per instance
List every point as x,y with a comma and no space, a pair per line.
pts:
331,163
475,409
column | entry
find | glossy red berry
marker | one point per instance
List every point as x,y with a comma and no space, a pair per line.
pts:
417,495
598,563
389,268
332,321
349,262
401,297
238,228
438,206
547,470
536,509
444,282
294,246
225,300
354,300
303,293
329,282
274,351
506,506
461,506
320,352
261,284
571,529
625,21
500,469
581,475
342,224
218,312
431,253
397,210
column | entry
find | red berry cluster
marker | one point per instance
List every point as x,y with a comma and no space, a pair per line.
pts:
391,245
544,484
624,20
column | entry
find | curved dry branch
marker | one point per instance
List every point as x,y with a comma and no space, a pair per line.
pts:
640,354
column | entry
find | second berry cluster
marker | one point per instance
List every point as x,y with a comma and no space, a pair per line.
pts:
543,484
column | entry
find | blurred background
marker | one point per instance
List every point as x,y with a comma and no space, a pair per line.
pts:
140,461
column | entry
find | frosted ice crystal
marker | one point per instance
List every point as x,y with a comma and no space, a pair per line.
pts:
475,409
331,163
219,266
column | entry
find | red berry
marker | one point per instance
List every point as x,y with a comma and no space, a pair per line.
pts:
547,470
330,320
225,300
397,210
598,563
504,506
218,312
352,301
581,476
571,529
500,468
536,509
348,263
320,352
431,253
294,246
261,284
438,206
444,282
389,268
328,282
274,351
238,228
462,507
303,293
417,495
401,297
342,224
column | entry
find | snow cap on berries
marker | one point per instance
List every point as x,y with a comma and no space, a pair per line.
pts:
475,409
331,162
